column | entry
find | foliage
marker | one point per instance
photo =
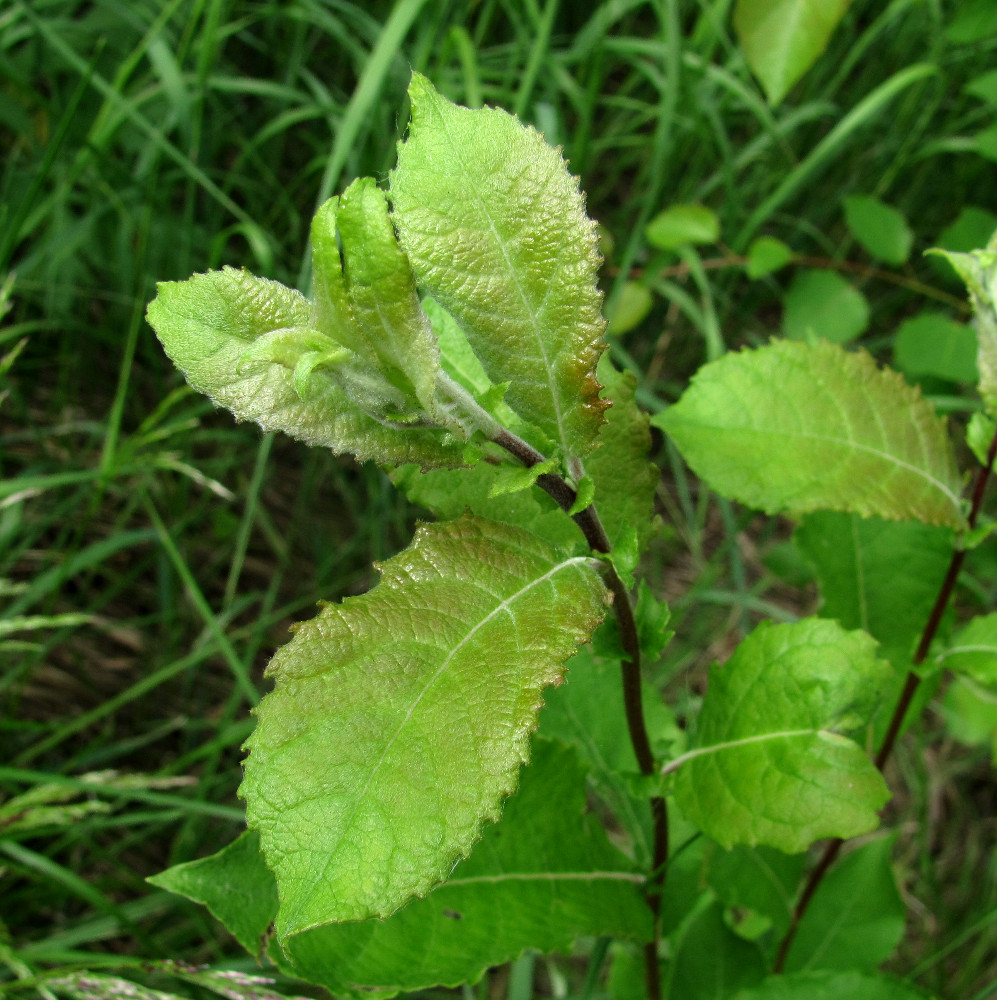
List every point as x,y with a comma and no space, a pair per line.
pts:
152,553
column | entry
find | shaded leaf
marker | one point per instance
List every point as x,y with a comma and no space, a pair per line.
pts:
880,576
208,323
793,427
984,87
400,718
856,916
631,308
496,231
973,651
973,21
932,344
710,962
541,878
832,986
783,38
823,305
879,227
681,225
766,255
769,764
234,884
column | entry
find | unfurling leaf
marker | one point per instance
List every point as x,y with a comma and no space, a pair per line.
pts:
400,718
794,428
770,764
213,324
496,231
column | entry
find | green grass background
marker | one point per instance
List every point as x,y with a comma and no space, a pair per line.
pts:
152,553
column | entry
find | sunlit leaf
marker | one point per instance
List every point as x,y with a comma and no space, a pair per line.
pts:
400,718
793,427
207,325
769,763
496,231
766,255
681,225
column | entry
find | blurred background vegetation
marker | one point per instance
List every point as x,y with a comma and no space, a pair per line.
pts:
153,553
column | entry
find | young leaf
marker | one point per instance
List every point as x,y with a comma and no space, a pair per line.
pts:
832,986
496,231
978,270
856,917
625,481
793,427
234,884
880,576
823,305
541,878
879,227
681,225
769,764
400,718
973,652
207,325
783,38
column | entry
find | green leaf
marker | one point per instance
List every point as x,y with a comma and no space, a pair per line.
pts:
631,309
879,227
793,427
973,651
934,345
208,323
766,255
681,225
970,714
710,961
880,576
541,878
856,916
577,713
974,20
978,270
769,764
450,493
832,986
400,718
971,229
761,880
625,480
496,231
984,87
234,884
783,38
822,305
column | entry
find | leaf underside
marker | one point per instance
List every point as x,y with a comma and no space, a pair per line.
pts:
496,231
794,427
206,325
769,764
400,718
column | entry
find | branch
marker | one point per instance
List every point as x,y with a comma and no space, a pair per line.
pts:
595,534
903,702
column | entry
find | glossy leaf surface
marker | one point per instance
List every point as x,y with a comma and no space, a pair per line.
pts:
496,230
238,339
400,718
769,763
793,428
